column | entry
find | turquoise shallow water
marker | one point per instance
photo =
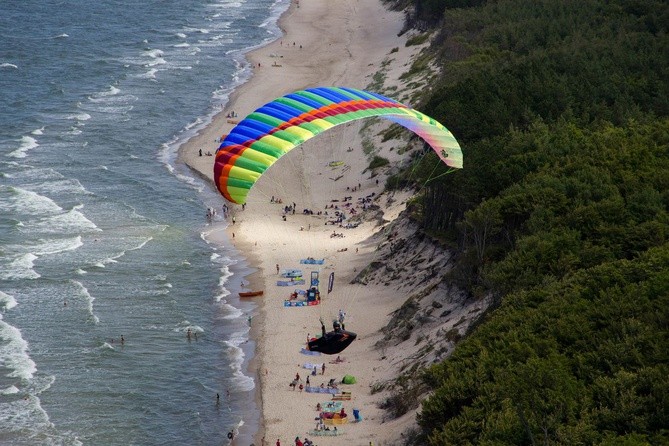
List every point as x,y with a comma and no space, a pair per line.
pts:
102,233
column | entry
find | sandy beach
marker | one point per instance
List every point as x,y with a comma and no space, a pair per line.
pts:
325,43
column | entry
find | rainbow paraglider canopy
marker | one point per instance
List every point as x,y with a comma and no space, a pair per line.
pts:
274,129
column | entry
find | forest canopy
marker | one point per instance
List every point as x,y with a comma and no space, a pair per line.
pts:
561,214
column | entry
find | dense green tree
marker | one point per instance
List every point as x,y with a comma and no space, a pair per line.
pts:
561,213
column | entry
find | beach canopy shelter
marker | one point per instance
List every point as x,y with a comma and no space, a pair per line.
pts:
349,379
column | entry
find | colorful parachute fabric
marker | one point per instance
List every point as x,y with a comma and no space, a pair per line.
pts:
274,129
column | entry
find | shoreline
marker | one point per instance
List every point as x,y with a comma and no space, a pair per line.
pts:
359,39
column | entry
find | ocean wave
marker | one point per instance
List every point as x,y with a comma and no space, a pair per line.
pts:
227,4
14,353
185,325
26,143
69,222
55,246
78,116
11,390
7,302
236,357
8,65
20,268
231,312
82,292
36,173
21,415
60,186
112,91
24,201
109,109
222,295
151,74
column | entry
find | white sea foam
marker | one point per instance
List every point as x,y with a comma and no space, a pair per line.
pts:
11,390
55,246
236,356
8,65
88,299
26,143
25,201
156,61
185,325
231,312
39,131
14,353
38,174
151,74
7,302
65,185
20,268
71,221
113,91
182,45
182,35
141,244
78,116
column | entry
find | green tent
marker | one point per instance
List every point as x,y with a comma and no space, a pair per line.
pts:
348,379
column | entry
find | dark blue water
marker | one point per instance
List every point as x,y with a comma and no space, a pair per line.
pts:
102,233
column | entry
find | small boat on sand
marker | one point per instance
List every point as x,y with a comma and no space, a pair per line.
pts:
251,293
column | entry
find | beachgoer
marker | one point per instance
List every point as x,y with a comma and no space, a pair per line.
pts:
301,387
218,399
297,376
233,220
308,380
277,268
318,407
231,435
122,340
278,442
323,369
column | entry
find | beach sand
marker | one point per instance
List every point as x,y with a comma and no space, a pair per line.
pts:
325,43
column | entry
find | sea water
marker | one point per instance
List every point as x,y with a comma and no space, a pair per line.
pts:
103,233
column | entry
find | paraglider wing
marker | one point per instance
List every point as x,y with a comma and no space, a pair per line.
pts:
333,342
271,131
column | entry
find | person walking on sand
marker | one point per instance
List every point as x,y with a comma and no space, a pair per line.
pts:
277,268
323,369
278,442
